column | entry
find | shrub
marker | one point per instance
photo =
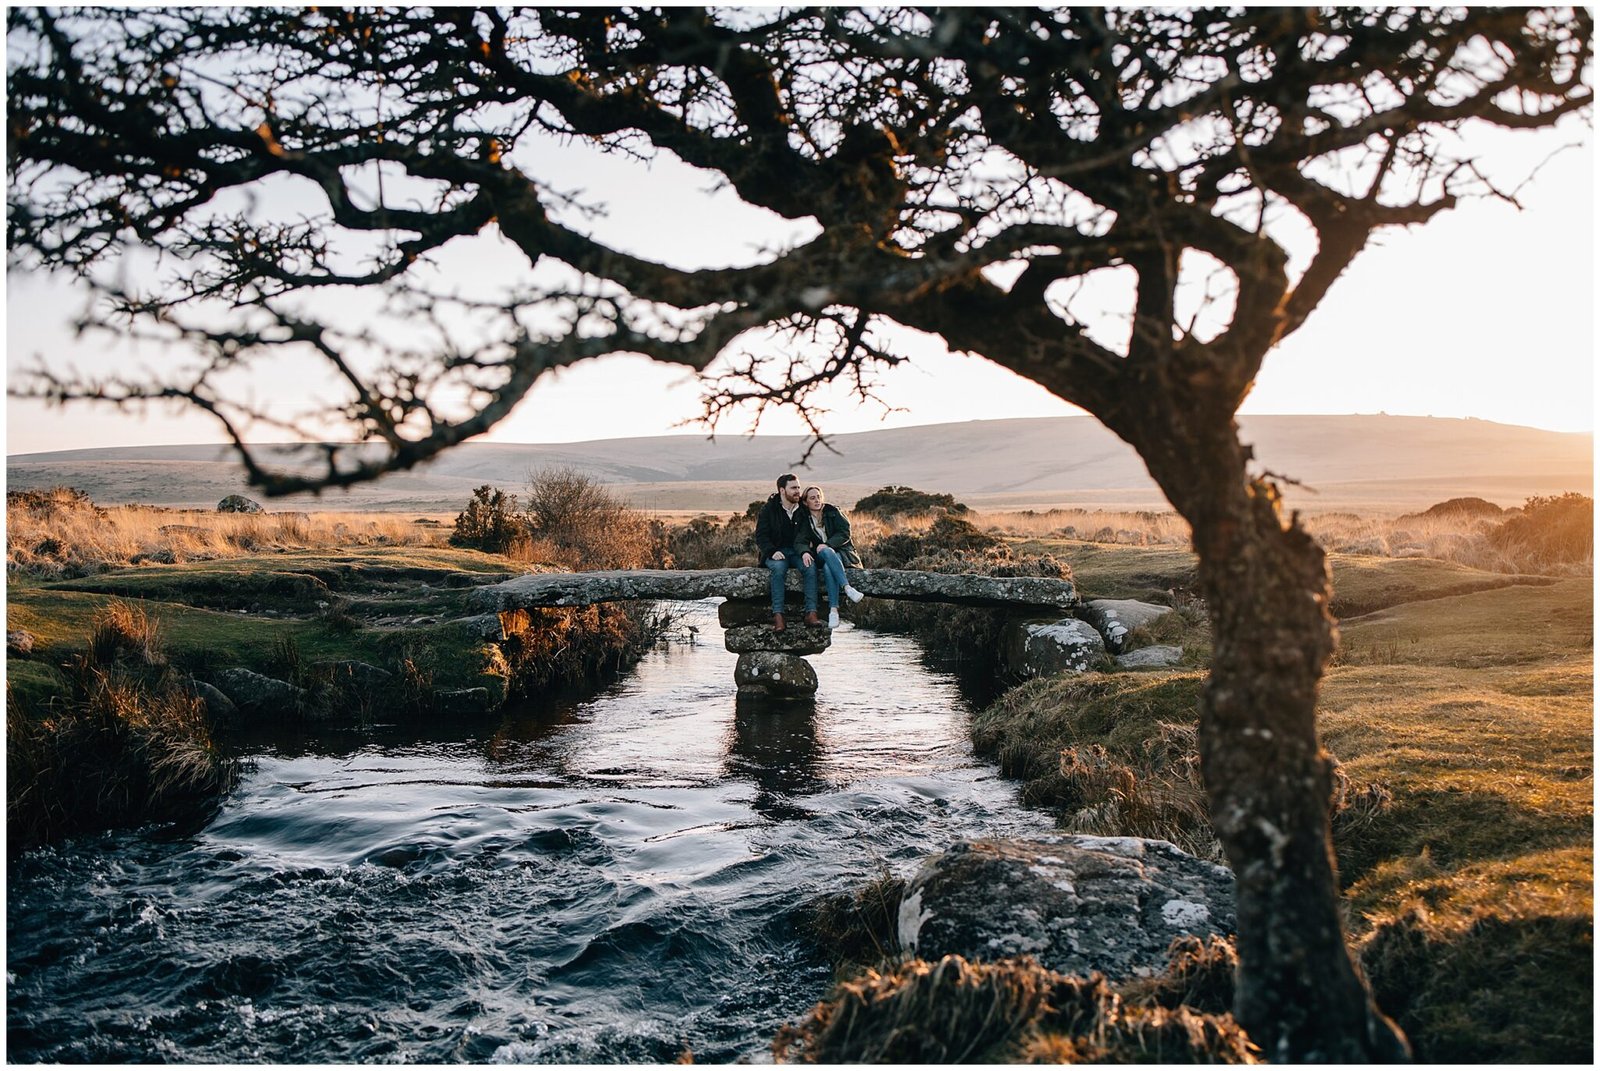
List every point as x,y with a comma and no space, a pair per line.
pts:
900,501
1555,530
582,525
703,543
1458,508
489,522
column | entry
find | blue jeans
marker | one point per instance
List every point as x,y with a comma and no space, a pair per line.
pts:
778,568
833,572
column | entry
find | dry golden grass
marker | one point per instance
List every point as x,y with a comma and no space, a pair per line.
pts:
76,539
1458,538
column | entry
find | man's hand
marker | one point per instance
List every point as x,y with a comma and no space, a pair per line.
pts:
779,555
805,560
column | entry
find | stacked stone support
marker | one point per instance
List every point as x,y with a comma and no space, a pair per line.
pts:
772,663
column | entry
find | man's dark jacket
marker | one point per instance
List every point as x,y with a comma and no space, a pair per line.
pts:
775,531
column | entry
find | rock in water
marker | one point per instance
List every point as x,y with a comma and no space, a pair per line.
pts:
1075,903
774,673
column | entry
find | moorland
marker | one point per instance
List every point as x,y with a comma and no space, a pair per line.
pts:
1459,706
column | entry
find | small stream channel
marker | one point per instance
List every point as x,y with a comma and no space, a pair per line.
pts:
607,879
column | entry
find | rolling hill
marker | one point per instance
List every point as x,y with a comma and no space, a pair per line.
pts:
1367,464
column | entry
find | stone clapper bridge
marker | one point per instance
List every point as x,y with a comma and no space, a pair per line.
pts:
771,662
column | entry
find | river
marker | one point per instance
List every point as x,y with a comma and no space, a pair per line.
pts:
607,879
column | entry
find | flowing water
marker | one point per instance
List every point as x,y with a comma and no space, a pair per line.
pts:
603,880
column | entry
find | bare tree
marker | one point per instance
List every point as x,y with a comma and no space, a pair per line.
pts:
955,171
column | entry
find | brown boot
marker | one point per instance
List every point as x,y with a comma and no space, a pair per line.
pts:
812,618
777,623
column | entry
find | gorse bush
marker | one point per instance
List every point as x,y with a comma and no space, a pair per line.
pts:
490,522
892,501
1557,530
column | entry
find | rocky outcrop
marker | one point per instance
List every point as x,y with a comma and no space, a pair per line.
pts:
221,709
1115,618
254,692
1075,903
19,643
1041,648
774,673
239,504
1156,657
750,585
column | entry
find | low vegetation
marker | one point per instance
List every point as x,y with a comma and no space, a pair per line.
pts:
127,742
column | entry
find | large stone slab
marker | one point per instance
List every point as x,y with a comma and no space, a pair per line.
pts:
796,639
582,589
773,673
1076,903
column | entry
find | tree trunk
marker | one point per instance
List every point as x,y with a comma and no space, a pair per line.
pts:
1269,782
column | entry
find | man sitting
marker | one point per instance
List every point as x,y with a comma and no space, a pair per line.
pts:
776,528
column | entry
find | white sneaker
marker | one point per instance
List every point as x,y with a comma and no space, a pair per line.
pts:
855,596
833,618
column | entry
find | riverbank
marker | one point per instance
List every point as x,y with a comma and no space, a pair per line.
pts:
1460,711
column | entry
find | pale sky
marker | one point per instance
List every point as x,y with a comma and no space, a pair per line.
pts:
1486,312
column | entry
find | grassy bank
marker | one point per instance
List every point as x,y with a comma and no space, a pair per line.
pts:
1460,710
357,628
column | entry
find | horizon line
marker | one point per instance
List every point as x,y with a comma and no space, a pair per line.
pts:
797,436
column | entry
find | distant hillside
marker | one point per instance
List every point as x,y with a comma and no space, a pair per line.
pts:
1369,464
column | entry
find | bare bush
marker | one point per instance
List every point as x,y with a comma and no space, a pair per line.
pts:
585,526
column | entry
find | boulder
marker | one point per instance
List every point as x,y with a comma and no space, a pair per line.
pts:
1152,657
774,673
1041,648
462,701
220,708
254,692
493,627
19,643
1075,903
1115,618
797,639
356,676
239,504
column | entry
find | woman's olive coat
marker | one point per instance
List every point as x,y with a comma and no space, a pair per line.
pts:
837,527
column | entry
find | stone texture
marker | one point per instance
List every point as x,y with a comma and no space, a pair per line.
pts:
1042,648
796,639
773,673
734,612
1076,903
254,693
19,643
1115,618
1151,657
462,701
221,709
239,504
356,676
579,589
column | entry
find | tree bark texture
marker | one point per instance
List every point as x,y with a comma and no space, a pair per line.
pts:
1268,780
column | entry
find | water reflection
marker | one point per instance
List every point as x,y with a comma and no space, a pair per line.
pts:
776,748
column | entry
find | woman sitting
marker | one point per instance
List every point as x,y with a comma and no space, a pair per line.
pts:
825,533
